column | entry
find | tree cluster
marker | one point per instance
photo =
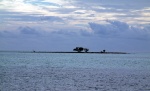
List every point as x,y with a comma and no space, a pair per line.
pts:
104,51
80,49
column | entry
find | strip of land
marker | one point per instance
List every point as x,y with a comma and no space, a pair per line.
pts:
67,52
84,52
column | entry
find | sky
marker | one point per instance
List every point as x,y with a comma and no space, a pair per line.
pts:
62,25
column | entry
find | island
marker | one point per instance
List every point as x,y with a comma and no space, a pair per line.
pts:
80,50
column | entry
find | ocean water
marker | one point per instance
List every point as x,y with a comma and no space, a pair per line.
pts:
139,61
74,72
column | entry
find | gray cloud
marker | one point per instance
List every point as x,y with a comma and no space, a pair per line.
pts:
45,25
114,2
24,17
119,25
29,38
51,18
125,10
28,30
117,29
113,29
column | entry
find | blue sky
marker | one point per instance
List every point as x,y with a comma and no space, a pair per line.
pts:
61,25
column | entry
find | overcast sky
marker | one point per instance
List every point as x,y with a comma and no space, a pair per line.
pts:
61,25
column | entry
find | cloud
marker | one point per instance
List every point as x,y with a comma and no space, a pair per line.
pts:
51,18
117,29
109,29
119,25
65,39
27,30
116,9
93,23
24,17
41,2
76,11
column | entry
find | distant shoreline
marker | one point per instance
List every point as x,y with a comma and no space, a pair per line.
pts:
67,52
84,52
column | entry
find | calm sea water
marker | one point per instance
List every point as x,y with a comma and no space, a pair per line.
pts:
74,72
66,60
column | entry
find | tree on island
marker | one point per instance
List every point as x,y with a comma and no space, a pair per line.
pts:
80,49
103,51
86,50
